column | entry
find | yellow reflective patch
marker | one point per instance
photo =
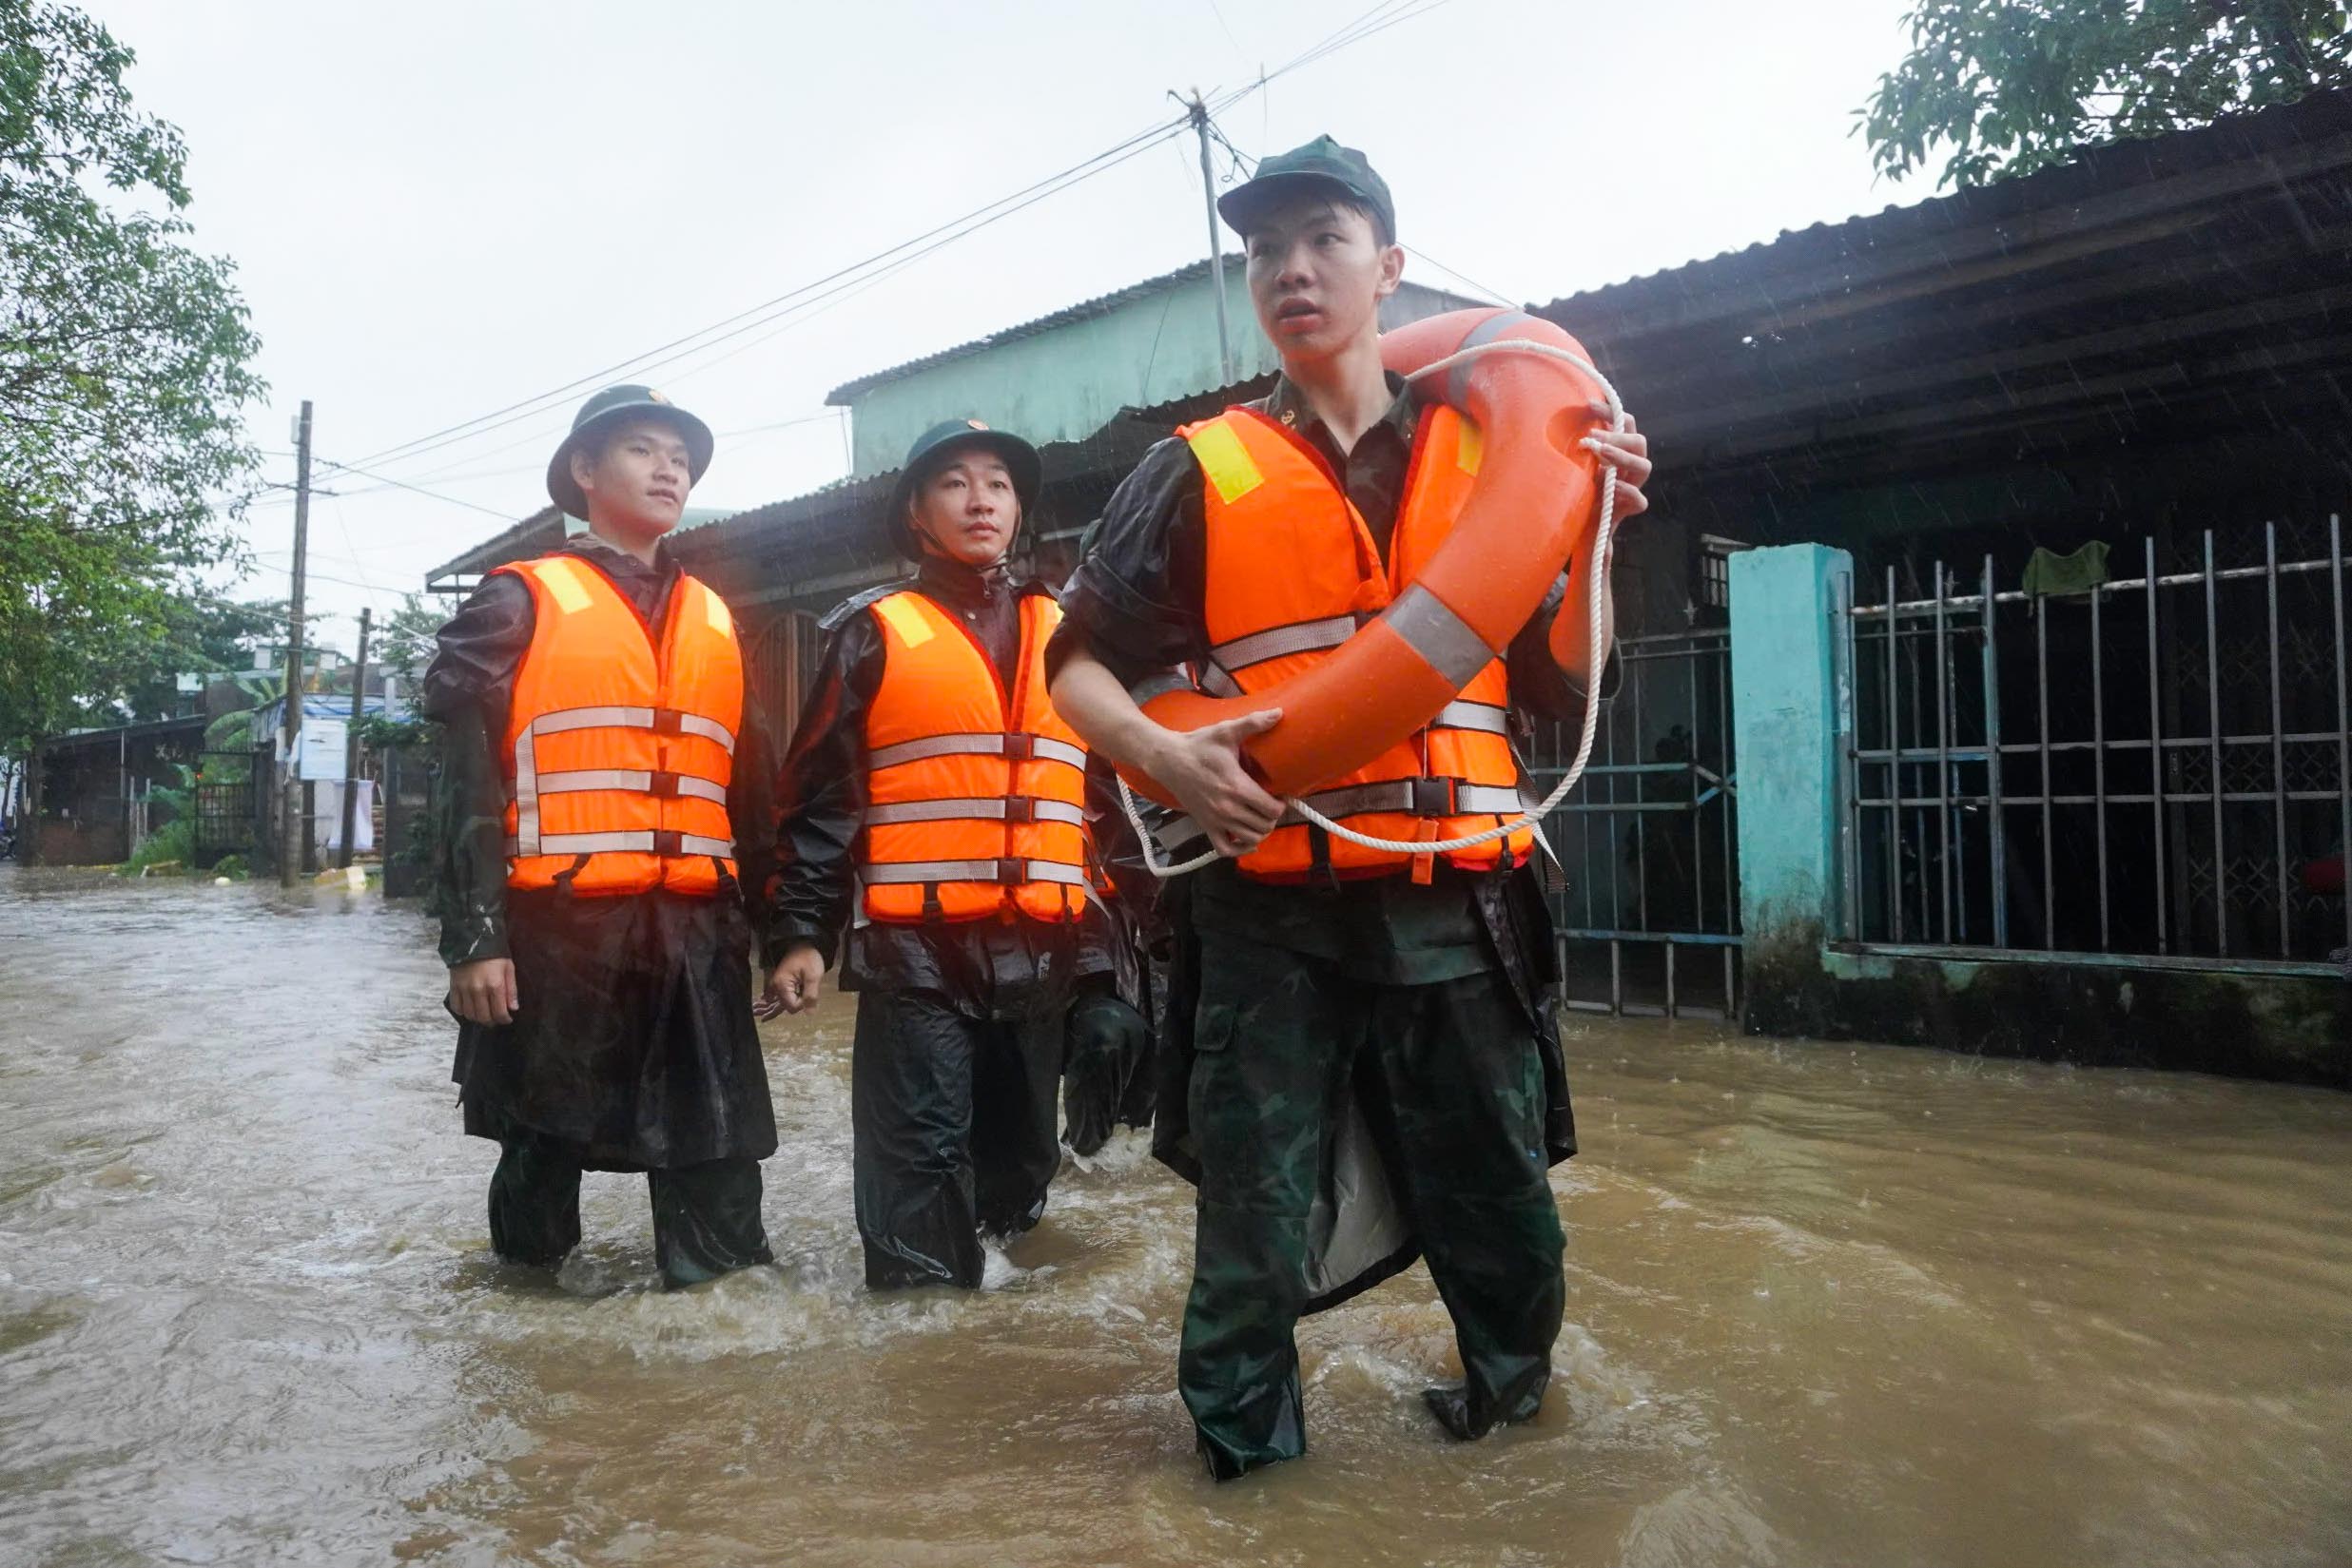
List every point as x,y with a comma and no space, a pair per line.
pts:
715,610
1225,461
1470,447
904,619
562,580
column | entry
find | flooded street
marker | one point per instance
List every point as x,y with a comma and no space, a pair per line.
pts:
1826,1304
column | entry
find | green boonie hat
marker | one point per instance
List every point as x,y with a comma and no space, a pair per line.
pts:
1019,459
1320,162
602,411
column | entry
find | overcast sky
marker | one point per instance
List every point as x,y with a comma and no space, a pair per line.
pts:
438,209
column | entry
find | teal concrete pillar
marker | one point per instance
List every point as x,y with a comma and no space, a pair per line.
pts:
1784,636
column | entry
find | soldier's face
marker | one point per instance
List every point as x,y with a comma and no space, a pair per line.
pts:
1317,274
967,510
639,480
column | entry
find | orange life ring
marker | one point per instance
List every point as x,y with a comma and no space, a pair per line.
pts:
1529,508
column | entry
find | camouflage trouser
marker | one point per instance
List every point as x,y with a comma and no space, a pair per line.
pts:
1452,1086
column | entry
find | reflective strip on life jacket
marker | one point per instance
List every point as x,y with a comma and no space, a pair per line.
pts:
1298,637
1437,799
1008,873
637,843
1019,809
1017,746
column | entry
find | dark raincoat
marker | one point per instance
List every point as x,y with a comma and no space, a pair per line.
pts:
961,1026
634,1047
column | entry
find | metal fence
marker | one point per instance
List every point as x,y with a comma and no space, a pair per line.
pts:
227,814
2143,767
1648,845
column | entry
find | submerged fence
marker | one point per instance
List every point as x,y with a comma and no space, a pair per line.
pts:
1647,846
2156,764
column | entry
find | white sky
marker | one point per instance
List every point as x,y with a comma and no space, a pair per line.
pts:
445,206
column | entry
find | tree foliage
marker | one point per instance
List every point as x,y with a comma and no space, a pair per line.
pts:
125,360
1999,88
405,643
200,634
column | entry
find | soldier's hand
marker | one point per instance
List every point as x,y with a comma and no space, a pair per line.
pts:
1203,769
795,986
483,992
1629,452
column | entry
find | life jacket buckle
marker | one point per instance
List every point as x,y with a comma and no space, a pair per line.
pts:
1434,798
664,786
1011,873
669,720
1020,747
668,843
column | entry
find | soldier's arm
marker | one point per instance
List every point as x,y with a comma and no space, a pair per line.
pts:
468,689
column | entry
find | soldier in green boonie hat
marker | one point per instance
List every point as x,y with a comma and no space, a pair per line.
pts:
601,420
605,800
1361,1052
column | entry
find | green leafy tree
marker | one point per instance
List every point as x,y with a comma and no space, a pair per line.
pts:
125,360
204,635
405,643
1999,88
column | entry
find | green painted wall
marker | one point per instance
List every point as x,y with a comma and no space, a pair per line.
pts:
1785,705
1067,382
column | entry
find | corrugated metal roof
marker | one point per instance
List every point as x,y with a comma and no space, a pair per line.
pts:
2099,171
1101,304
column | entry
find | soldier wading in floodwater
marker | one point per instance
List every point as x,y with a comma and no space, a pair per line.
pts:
1330,1001
606,803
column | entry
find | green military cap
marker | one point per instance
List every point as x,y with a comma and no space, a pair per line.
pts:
1321,162
604,410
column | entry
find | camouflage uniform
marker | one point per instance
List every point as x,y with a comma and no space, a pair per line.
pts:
1330,1049
1449,1078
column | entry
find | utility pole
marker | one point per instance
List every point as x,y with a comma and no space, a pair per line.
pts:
351,750
290,793
1216,243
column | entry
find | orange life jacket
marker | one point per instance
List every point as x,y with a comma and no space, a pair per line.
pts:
1291,571
618,754
973,809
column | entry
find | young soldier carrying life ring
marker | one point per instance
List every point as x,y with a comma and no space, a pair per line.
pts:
935,808
1333,1003
606,801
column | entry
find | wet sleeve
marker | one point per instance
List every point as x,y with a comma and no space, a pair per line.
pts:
752,814
467,690
1539,687
821,796
1136,598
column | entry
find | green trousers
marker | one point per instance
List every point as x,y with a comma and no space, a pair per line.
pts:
1453,1090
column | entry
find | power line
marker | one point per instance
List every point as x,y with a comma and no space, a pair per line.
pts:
1378,19
759,315
402,484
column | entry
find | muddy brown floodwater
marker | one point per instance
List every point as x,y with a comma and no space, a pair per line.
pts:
1826,1304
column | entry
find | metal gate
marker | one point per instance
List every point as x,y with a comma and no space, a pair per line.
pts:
1648,844
2156,764
227,804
